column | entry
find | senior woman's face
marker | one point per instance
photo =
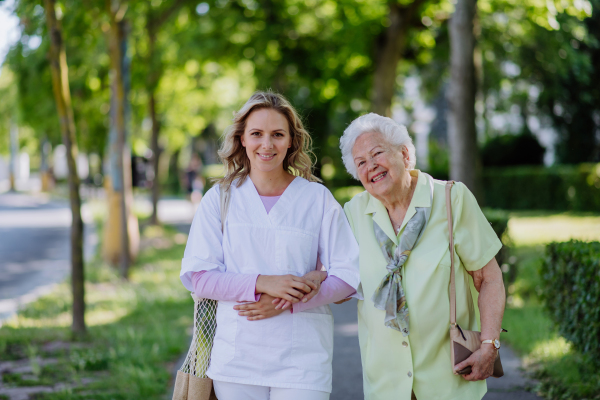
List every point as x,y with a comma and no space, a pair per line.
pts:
380,165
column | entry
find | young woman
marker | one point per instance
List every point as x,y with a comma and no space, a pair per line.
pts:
279,223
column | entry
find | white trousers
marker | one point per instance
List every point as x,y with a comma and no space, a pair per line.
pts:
238,391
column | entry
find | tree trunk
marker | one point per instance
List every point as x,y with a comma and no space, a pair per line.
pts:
155,20
152,83
122,227
14,156
45,149
155,158
464,164
62,96
389,48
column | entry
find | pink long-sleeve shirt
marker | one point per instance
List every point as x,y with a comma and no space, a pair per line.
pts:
229,286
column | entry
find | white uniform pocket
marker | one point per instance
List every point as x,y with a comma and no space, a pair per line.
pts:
224,343
312,341
293,251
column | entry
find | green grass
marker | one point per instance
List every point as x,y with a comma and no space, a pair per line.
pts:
136,330
562,372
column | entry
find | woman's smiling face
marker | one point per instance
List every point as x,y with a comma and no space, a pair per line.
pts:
380,165
266,139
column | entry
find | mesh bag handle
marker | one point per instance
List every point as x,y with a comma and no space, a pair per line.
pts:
197,360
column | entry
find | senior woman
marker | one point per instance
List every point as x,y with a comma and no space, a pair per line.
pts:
405,350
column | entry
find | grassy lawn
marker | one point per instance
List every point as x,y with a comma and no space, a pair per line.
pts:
137,330
563,373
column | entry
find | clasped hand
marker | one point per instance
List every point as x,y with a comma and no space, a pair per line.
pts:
481,362
279,292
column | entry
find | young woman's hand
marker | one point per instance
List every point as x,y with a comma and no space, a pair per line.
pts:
317,277
287,287
262,309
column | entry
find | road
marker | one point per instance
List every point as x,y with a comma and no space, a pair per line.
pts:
34,248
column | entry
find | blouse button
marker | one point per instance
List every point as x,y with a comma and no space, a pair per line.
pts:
404,344
409,374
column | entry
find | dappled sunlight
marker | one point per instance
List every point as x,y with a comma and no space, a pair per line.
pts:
549,349
103,317
531,230
62,320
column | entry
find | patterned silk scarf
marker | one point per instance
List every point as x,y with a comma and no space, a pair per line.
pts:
389,296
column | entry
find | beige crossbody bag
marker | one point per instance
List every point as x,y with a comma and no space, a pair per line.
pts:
463,343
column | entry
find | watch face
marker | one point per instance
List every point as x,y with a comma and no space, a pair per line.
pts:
497,343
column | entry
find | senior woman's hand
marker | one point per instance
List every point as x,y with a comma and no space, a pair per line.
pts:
481,363
263,308
489,284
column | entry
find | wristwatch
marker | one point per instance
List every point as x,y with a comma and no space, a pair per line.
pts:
495,342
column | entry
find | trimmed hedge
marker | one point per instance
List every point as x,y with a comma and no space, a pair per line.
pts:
564,187
570,277
499,221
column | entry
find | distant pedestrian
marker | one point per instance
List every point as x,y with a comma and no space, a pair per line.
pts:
401,225
194,184
280,221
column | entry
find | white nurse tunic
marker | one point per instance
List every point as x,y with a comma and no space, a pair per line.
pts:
289,350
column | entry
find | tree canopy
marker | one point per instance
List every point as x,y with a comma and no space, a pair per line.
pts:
536,64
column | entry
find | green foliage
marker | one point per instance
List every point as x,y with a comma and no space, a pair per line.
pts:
8,94
538,60
529,328
345,194
571,97
575,188
572,376
499,221
88,72
571,290
562,372
439,162
511,150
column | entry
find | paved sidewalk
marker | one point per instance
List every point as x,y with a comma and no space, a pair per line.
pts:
514,384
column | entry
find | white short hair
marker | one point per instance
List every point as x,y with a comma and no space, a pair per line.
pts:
393,132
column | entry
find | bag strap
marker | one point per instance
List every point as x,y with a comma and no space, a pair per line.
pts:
225,195
449,185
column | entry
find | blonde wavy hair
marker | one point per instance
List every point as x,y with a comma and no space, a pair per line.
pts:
299,159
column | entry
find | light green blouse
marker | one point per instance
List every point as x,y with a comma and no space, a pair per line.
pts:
394,365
